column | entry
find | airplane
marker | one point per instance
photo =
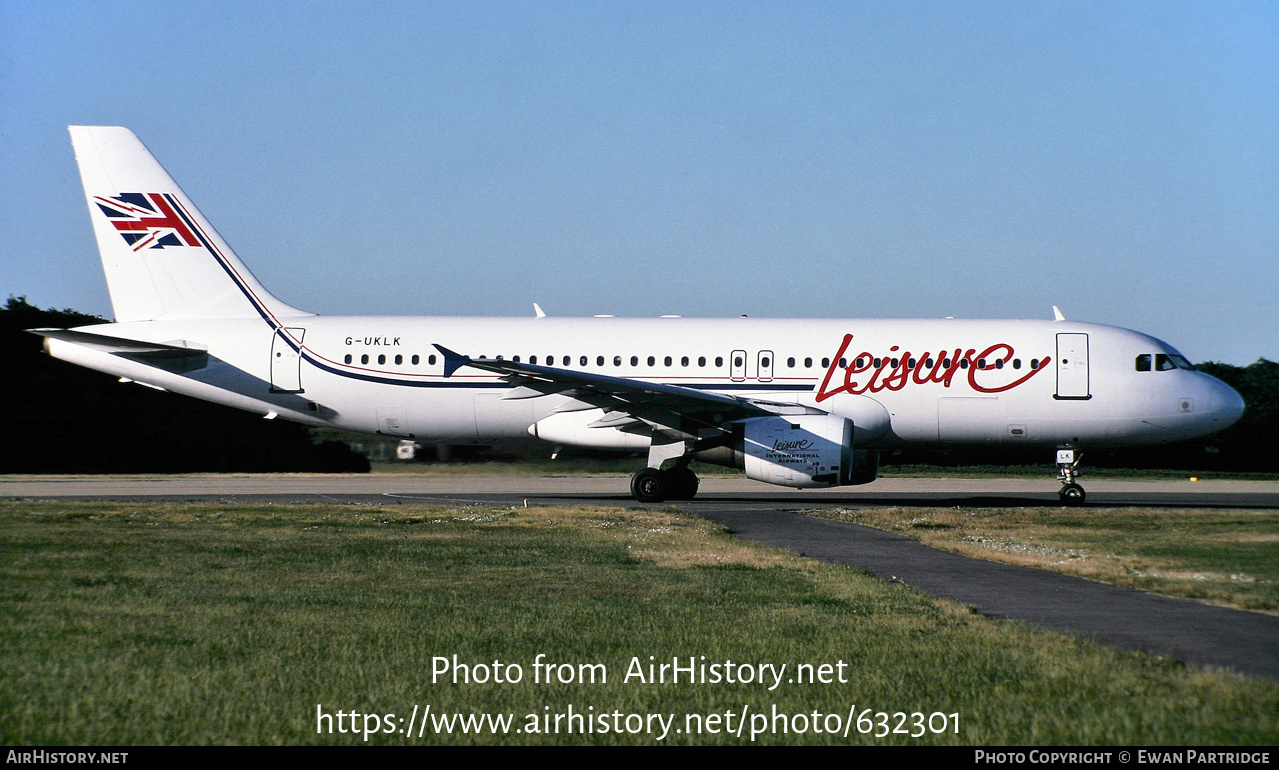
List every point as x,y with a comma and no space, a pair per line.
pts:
793,402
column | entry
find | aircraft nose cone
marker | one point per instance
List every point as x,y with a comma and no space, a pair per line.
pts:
1233,404
1226,404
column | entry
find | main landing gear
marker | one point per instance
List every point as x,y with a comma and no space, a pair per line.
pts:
654,486
1067,463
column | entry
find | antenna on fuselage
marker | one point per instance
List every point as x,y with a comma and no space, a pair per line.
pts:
1057,316
538,311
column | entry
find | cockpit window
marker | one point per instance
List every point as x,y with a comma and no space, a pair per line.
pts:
1143,362
1166,362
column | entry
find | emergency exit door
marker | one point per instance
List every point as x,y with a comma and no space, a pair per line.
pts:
764,371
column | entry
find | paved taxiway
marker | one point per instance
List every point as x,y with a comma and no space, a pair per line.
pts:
715,491
1244,641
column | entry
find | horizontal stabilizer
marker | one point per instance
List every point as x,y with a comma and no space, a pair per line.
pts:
172,358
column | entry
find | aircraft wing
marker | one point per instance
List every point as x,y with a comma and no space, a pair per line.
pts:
662,406
173,358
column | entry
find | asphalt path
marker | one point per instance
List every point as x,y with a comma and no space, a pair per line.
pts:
1189,631
1247,642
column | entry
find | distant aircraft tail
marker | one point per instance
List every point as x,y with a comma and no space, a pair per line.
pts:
162,258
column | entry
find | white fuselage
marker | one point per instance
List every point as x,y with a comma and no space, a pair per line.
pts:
992,382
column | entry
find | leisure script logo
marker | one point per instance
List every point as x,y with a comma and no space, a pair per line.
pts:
901,368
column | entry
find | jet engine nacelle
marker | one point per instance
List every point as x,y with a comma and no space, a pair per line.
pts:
810,450
799,451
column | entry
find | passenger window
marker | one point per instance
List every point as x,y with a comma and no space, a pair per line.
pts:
667,360
683,361
532,359
843,363
825,363
399,359
878,362
651,361
364,359
701,360
599,360
790,363
381,359
430,360
736,361
808,363
963,363
634,360
765,362
719,361
999,363
945,363
617,360
347,359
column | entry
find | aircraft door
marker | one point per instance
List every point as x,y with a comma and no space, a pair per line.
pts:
765,369
737,366
286,361
1072,367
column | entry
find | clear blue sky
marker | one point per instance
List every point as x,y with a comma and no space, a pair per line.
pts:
1120,160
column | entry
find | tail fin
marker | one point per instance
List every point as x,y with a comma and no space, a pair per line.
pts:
162,259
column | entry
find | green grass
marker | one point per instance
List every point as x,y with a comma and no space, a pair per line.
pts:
189,624
1228,557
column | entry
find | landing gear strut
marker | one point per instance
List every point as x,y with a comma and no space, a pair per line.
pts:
652,485
1067,463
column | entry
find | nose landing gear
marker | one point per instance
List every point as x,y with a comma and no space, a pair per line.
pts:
1067,463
